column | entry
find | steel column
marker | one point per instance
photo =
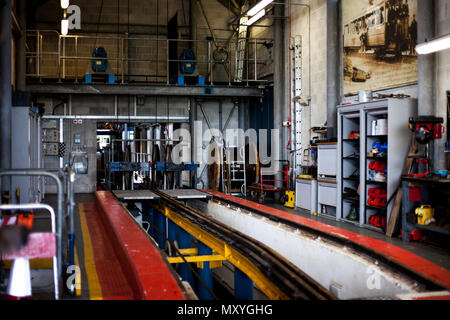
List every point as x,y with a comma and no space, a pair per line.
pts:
205,273
426,63
333,81
20,56
160,223
243,286
185,242
5,90
279,103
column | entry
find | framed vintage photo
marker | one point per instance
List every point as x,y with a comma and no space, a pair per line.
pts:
379,44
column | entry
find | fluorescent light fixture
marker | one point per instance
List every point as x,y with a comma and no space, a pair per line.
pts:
64,26
65,4
435,45
258,7
256,17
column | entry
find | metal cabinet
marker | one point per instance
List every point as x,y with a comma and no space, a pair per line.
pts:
356,137
327,195
26,153
326,159
303,194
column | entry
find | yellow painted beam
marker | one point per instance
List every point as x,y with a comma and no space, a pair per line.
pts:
205,258
95,290
189,251
236,258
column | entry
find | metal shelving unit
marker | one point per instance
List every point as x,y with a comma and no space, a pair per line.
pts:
354,158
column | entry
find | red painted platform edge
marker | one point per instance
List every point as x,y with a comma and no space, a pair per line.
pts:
445,297
401,256
140,259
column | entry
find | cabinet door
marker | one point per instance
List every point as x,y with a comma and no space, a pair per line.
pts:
327,194
327,160
303,194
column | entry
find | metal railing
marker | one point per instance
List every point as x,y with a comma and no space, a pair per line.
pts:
52,55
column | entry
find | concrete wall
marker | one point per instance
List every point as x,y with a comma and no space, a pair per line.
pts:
442,79
313,30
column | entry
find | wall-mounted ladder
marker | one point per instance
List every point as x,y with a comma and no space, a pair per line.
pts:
296,81
241,46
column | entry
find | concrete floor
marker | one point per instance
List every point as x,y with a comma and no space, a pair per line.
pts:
79,247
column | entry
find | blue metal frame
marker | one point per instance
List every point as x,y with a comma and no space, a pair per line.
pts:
243,286
205,273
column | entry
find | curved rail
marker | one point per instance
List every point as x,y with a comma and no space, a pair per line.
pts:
273,274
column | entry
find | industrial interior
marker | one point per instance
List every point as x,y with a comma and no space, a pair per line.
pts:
224,149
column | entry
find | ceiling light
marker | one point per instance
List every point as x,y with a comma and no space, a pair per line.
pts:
258,7
64,26
255,18
435,45
64,4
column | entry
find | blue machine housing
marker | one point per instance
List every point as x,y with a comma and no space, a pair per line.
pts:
99,65
187,65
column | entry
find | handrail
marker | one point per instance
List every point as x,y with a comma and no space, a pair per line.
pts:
59,185
205,58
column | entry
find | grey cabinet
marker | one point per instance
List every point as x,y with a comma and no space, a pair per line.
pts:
26,153
326,179
367,174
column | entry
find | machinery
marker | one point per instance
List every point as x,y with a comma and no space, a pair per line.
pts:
188,73
99,68
425,214
289,199
426,129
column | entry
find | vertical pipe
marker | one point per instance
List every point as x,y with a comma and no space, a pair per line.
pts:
20,58
59,61
333,82
256,66
76,59
5,90
279,104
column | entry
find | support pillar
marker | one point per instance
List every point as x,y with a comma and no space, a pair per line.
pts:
5,90
243,286
160,223
426,63
185,242
333,56
20,55
279,101
205,273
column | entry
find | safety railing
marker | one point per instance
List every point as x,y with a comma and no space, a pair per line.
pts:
66,57
63,232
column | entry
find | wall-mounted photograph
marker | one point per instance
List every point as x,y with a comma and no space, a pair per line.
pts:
379,44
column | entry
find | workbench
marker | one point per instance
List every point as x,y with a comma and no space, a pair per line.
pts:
433,191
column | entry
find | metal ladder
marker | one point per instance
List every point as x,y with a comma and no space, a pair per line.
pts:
241,46
296,76
237,173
